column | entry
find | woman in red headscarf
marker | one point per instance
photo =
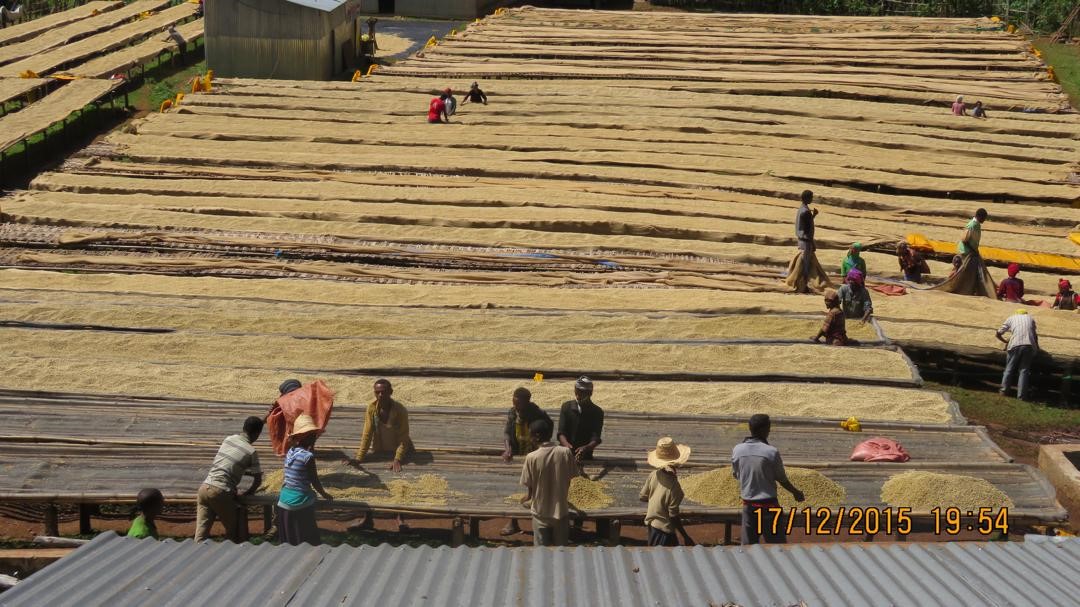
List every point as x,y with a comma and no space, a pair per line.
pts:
1066,298
1012,288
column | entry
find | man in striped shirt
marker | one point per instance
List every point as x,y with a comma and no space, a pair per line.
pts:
1021,348
217,496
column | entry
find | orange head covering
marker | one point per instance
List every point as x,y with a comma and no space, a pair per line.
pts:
1014,269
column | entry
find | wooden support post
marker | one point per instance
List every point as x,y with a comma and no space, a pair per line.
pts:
52,520
457,532
602,528
474,528
1066,383
727,533
268,517
85,511
614,532
243,531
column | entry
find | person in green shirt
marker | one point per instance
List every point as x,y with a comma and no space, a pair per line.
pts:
969,242
853,261
148,504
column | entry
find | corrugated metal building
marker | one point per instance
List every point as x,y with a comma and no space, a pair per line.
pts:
285,39
439,9
117,571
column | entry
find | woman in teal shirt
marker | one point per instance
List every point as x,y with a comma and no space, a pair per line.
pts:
296,502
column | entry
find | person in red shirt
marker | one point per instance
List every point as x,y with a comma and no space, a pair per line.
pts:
1066,298
834,329
1012,288
437,111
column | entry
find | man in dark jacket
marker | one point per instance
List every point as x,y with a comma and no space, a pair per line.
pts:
475,95
804,235
518,438
581,422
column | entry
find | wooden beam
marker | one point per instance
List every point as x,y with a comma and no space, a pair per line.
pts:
85,512
52,520
457,532
614,532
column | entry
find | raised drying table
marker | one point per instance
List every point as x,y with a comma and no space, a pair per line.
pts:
82,449
53,108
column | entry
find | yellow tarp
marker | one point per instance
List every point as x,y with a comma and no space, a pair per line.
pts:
1042,260
1075,237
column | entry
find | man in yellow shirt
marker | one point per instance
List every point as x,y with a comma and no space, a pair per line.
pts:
517,436
386,430
386,427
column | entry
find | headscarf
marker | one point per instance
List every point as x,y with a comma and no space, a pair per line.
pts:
1064,285
289,385
853,251
1014,269
855,276
584,384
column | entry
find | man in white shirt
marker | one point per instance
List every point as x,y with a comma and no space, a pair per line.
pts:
759,468
546,475
235,459
1021,348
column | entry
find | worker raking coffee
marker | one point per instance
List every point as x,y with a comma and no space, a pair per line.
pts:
719,488
923,491
347,483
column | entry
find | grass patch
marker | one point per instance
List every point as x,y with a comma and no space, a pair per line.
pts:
1066,61
157,88
10,544
993,408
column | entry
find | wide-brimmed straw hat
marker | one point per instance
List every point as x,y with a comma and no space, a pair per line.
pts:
303,425
668,453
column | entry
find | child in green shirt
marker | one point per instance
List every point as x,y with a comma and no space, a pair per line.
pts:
148,504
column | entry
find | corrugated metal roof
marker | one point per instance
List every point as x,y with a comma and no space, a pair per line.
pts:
118,571
323,5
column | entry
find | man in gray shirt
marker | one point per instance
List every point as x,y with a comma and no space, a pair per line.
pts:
758,467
